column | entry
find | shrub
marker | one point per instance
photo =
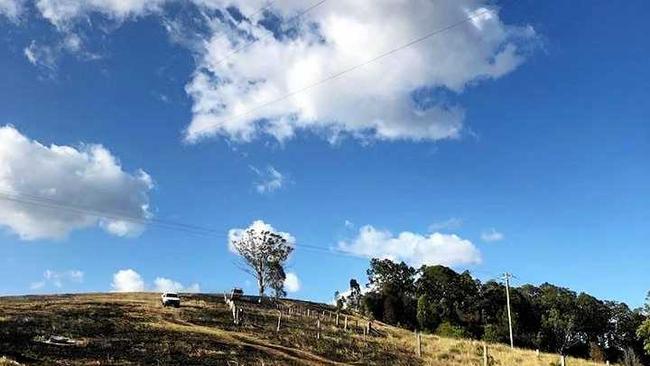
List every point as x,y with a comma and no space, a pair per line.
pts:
449,330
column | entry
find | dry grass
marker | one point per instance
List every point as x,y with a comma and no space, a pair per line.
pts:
133,329
7,362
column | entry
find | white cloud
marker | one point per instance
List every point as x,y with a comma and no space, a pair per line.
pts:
292,282
449,224
37,285
42,55
345,294
127,280
491,235
412,248
162,284
12,9
62,12
47,56
257,226
270,180
58,279
375,101
46,192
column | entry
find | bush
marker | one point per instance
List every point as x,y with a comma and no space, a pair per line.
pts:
596,352
446,329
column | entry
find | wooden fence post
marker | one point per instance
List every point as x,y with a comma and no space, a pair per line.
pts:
419,343
318,329
346,323
485,355
279,320
308,313
562,360
337,319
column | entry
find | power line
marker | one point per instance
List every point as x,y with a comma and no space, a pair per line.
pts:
40,201
246,45
27,199
350,69
268,5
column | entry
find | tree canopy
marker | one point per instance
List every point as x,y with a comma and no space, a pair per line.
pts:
263,254
545,317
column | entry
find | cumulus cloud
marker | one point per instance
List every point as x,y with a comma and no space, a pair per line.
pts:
127,280
412,248
58,279
47,192
395,98
62,12
12,9
379,100
292,282
162,284
257,226
269,180
491,235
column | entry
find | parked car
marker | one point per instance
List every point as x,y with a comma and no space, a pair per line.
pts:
170,299
236,293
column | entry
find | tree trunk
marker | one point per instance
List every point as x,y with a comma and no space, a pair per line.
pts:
260,284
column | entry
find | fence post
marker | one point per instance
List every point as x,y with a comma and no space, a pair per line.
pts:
485,355
233,307
279,320
318,329
419,343
308,313
562,360
337,319
346,323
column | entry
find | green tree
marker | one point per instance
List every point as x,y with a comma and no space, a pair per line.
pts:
394,283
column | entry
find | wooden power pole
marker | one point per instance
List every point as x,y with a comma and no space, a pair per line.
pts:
507,276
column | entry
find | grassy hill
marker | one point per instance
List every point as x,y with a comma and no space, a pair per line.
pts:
130,329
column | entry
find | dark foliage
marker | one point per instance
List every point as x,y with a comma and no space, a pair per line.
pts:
545,317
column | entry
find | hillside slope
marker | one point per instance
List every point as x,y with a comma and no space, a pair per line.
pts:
125,329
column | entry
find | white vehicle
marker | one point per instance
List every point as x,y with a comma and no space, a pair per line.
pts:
170,299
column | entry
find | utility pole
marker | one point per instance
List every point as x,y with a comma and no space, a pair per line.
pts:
507,276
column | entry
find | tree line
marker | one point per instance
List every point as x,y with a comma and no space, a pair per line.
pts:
550,318
439,300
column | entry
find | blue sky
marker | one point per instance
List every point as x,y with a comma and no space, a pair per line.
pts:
549,149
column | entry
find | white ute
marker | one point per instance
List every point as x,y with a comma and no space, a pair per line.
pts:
170,299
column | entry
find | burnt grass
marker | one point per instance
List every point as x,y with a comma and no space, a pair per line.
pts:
134,329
